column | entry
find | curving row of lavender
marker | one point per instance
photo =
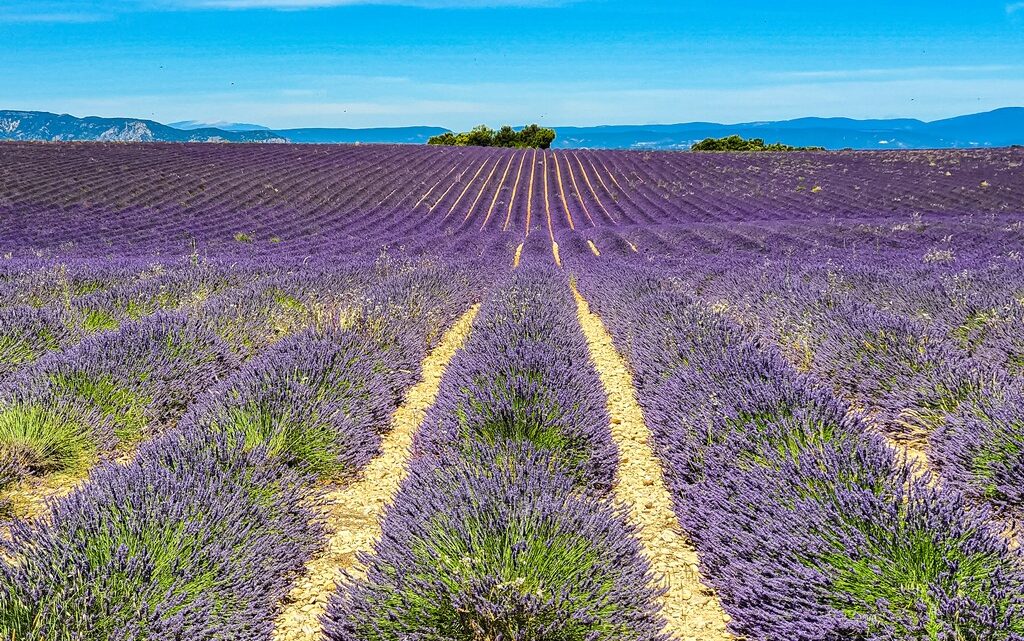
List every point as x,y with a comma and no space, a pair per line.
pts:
130,379
932,351
235,323
503,528
201,534
808,525
99,199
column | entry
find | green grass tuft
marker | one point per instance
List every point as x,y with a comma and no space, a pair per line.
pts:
97,320
124,407
299,439
44,439
891,582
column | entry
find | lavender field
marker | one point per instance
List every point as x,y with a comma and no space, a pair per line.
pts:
411,393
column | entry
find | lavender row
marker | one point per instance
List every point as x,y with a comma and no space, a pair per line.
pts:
116,388
41,282
502,529
919,381
27,333
195,538
202,534
320,399
808,526
525,376
253,317
110,391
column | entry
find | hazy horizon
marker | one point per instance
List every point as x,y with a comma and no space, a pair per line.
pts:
191,123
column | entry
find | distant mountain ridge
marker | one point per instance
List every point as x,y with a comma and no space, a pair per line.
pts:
40,125
44,126
998,128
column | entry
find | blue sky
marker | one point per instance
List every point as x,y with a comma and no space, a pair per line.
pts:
455,63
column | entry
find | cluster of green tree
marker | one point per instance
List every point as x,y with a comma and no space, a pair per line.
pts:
738,143
484,136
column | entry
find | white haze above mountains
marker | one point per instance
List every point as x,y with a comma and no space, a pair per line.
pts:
190,125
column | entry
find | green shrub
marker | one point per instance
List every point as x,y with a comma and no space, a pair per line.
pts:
738,143
530,136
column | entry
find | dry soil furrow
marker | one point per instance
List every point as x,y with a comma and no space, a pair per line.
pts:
691,609
529,197
515,190
576,191
483,188
497,192
561,191
593,192
352,513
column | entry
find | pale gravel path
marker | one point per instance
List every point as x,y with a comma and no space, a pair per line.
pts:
352,513
691,609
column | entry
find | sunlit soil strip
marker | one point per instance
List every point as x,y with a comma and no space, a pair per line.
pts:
352,513
483,186
554,252
593,248
385,199
497,192
29,497
561,191
690,608
604,185
579,196
440,199
515,190
529,197
547,201
466,189
434,186
593,192
610,175
519,254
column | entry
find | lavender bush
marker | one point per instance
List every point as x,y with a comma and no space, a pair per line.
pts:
980,450
193,539
316,402
111,390
501,530
27,333
808,526
499,548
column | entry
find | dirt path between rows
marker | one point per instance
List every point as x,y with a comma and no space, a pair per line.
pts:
691,609
352,513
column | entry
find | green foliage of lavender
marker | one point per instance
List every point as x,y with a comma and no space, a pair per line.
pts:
858,547
503,529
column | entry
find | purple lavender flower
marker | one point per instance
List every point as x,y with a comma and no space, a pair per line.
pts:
505,549
193,539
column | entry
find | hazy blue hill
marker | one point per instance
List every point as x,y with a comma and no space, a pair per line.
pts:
998,128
